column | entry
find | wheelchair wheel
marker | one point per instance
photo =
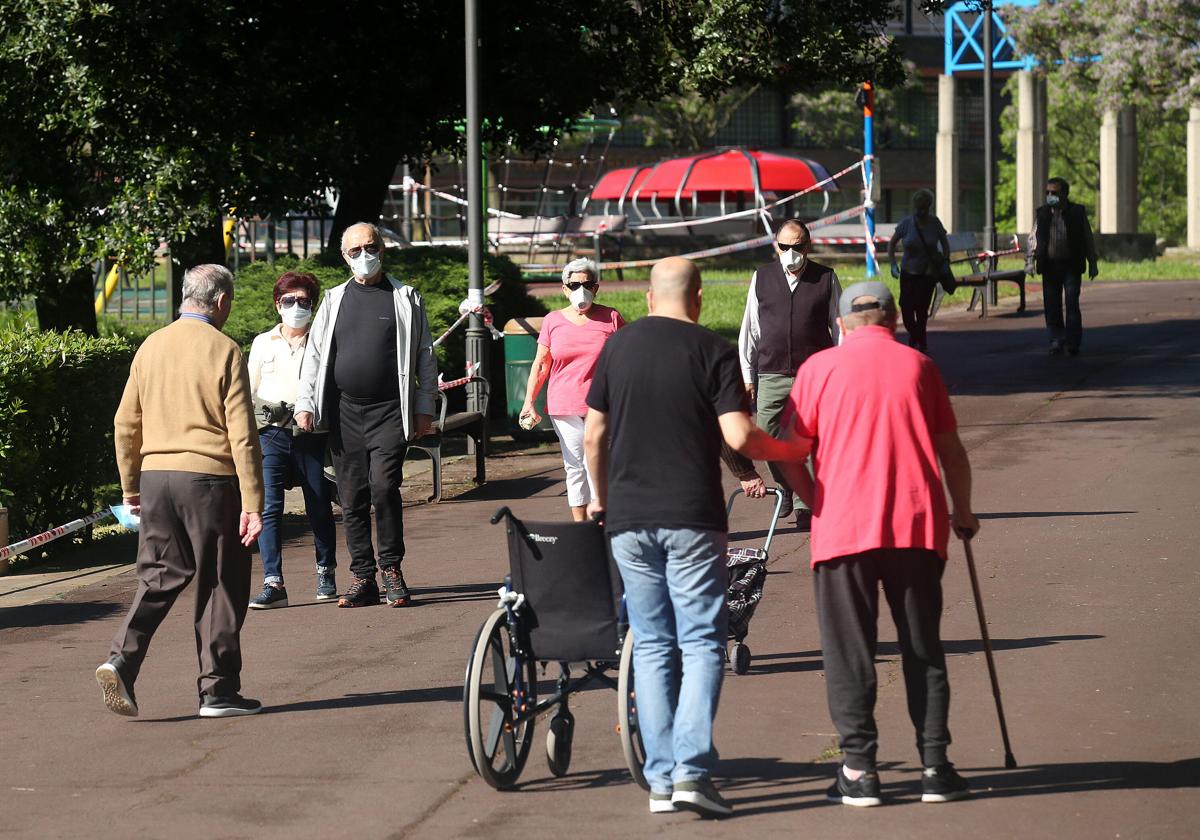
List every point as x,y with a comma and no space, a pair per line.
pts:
558,742
498,747
740,658
631,736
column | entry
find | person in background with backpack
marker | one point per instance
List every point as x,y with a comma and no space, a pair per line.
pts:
920,266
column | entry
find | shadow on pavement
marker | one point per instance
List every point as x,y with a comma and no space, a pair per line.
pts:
1088,775
1052,422
509,489
459,593
56,612
1042,514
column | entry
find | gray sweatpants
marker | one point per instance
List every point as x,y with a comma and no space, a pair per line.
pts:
189,529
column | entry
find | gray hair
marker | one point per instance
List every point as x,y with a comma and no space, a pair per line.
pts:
581,266
203,284
376,236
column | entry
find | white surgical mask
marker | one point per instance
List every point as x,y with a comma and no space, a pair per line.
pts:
364,265
1052,199
581,298
294,316
792,260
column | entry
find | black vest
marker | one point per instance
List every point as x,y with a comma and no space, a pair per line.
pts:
792,325
1076,221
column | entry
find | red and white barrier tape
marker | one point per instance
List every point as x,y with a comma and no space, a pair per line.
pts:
472,371
51,535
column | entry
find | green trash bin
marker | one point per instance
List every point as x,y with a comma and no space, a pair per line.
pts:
520,346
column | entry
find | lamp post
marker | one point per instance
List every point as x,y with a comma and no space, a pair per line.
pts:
477,337
989,176
867,95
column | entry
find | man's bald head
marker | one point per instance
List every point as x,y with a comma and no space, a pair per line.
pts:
674,279
675,289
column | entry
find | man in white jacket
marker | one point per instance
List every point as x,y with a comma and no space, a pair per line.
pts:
370,376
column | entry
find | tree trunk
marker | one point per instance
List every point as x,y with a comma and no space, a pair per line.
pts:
205,246
68,304
361,199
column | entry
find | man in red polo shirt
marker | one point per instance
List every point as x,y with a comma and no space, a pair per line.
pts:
880,418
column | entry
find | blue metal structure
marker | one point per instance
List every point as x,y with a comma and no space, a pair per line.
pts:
964,39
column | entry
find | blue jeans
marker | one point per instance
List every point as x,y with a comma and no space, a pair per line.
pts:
301,458
675,592
1059,283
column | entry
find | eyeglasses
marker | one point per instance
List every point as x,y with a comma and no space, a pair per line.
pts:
590,285
371,249
785,247
295,300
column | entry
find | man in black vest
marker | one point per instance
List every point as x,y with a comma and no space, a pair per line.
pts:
791,313
1059,245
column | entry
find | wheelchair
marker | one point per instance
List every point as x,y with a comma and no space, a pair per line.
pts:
561,604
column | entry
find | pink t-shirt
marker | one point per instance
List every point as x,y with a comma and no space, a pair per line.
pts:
574,350
874,407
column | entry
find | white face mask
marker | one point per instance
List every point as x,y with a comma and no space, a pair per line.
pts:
581,298
364,265
792,260
294,316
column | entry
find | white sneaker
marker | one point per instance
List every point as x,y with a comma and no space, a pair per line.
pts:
117,696
660,803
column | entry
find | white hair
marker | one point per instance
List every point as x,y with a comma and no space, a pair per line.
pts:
203,284
581,266
376,236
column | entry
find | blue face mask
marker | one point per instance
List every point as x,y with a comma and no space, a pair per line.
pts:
1052,199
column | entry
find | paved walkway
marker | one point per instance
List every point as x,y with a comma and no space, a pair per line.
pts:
1087,485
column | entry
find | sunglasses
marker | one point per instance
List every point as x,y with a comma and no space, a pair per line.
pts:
590,285
785,248
371,249
295,300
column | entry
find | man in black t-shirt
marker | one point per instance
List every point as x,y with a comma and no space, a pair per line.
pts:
666,391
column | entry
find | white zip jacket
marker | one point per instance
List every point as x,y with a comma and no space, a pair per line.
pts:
415,362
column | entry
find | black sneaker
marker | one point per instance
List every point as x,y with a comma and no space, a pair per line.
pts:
700,797
118,694
785,510
943,784
271,596
803,519
1072,349
1056,348
397,589
863,792
326,584
233,705
363,592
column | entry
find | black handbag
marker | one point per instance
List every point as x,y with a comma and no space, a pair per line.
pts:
939,267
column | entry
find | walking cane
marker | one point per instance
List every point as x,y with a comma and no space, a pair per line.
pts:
1009,762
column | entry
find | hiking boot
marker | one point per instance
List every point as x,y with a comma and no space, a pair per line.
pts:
943,784
363,592
232,705
397,590
862,792
660,803
118,694
271,596
803,519
326,584
700,797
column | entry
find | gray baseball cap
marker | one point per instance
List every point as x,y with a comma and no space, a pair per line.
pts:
868,288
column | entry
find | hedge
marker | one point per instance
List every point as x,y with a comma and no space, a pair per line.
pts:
58,395
439,274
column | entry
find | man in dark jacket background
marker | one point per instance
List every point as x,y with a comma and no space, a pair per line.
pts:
1060,244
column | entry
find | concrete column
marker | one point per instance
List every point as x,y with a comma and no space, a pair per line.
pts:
1193,178
1032,152
1118,171
946,165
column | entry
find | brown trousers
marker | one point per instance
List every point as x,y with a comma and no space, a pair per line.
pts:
189,529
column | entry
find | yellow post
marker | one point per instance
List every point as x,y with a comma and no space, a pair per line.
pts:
110,285
229,227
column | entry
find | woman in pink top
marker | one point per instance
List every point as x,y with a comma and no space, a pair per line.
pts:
568,347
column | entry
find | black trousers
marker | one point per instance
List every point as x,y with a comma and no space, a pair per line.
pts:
847,591
916,294
368,445
189,529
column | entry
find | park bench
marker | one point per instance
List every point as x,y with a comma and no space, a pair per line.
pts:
983,277
473,424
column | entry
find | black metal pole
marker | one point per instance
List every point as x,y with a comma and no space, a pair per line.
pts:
477,336
989,177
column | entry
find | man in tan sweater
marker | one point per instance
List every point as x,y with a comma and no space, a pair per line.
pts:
188,453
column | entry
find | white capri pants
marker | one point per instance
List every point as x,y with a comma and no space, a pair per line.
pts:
569,429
